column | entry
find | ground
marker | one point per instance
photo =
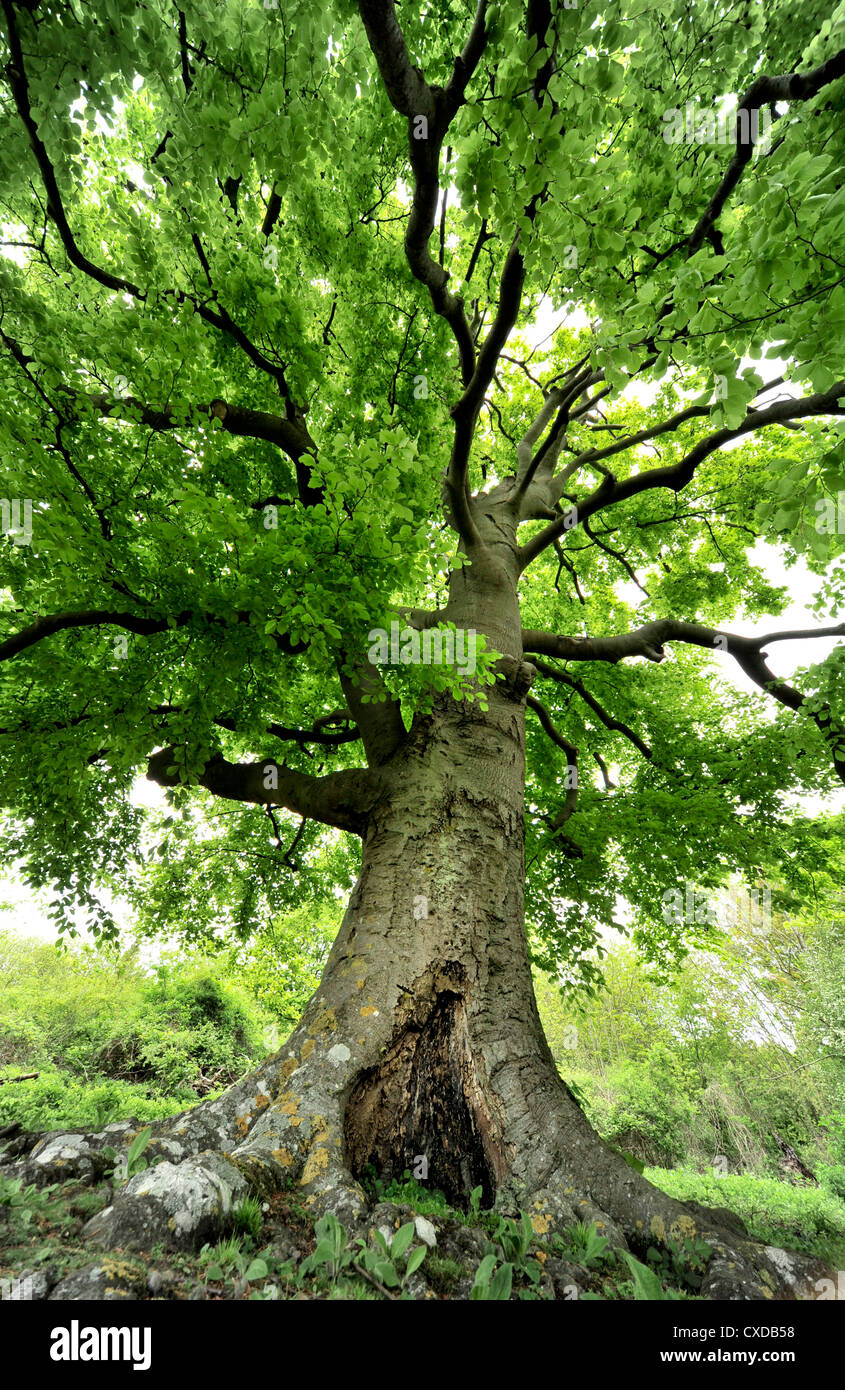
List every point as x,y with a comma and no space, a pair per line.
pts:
272,1251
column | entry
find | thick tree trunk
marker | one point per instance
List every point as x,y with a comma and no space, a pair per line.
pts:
423,1040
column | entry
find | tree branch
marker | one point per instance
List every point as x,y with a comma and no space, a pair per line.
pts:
548,726
764,91
609,721
341,799
649,641
131,622
676,476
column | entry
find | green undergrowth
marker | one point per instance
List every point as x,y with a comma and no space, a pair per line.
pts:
798,1217
273,1251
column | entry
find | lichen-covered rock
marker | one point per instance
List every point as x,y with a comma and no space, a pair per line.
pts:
111,1280
175,1204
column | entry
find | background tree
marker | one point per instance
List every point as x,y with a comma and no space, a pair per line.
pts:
266,387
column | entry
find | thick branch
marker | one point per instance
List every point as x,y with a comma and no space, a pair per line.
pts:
379,716
411,95
341,799
290,435
649,640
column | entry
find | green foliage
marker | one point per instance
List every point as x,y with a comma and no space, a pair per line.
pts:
493,1282
198,301
112,1040
59,1101
330,1255
247,1216
801,1218
681,1264
716,1063
228,1259
23,1202
428,1201
512,1241
393,1262
134,1161
647,1286
832,1178
584,1244
390,1262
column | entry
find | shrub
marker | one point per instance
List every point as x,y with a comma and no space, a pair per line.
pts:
59,1101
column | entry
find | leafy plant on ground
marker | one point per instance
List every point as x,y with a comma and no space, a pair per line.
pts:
393,1263
131,1161
514,1239
330,1255
228,1258
428,1201
583,1244
492,1284
681,1263
801,1218
25,1202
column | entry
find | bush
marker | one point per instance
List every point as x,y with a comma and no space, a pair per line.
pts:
58,1101
115,1040
832,1178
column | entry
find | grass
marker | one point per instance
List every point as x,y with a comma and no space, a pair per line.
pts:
801,1218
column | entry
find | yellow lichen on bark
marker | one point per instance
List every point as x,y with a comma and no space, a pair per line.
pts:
325,1021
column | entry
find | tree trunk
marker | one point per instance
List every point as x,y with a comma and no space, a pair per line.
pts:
423,1040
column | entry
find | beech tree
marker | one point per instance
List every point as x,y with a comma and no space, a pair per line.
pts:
516,329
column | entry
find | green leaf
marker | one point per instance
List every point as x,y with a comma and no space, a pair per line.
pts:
415,1259
647,1286
402,1240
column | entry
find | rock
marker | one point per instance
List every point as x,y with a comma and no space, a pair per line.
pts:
387,1217
30,1285
155,1283
568,1281
426,1232
177,1204
464,1244
284,1245
109,1280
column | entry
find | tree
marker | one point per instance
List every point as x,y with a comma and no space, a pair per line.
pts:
268,286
